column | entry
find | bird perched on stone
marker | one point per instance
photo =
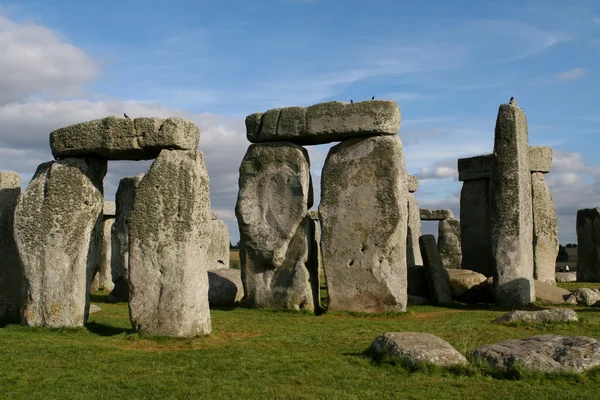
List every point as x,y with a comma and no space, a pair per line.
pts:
512,100
125,115
373,98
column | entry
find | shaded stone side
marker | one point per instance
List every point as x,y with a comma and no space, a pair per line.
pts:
218,250
169,234
11,275
413,252
588,245
449,243
511,218
364,216
438,277
480,167
545,230
58,231
475,240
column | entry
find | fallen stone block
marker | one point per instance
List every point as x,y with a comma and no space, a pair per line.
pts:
566,276
536,317
585,296
461,280
550,294
225,287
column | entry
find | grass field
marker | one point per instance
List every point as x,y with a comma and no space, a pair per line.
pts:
267,354
234,259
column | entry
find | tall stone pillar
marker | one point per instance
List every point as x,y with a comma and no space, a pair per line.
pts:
588,245
11,276
413,251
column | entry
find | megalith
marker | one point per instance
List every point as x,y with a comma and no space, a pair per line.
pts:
511,218
279,266
169,233
437,277
364,219
449,243
11,278
57,228
413,252
588,245
476,246
545,230
103,274
218,250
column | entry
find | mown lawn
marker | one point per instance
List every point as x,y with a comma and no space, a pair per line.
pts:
266,354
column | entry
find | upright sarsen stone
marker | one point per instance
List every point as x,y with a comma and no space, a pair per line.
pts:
11,276
57,227
545,230
511,209
588,245
169,233
475,236
364,220
449,243
218,250
413,252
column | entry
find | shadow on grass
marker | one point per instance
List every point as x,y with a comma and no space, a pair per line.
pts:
4,322
107,330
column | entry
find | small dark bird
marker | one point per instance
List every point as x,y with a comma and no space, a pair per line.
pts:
373,98
125,115
512,99
351,102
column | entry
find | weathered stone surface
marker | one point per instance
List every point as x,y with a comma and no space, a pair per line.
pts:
478,167
169,234
110,209
417,347
413,252
540,159
225,287
588,245
103,273
566,276
364,220
482,293
439,280
324,122
58,222
11,279
413,183
536,317
279,267
545,230
218,250
461,280
550,294
585,296
435,215
511,218
94,309
548,353
449,243
120,238
475,236
117,138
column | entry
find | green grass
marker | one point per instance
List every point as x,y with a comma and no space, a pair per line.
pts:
269,354
575,285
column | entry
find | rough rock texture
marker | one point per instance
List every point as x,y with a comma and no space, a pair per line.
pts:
585,296
417,347
364,220
169,234
218,250
540,159
566,276
103,273
439,280
482,293
588,241
58,225
536,317
545,230
120,238
94,309
418,282
324,122
117,138
11,278
474,168
413,252
279,267
449,243
511,218
550,294
109,209
316,243
413,183
548,353
224,287
475,236
461,280
435,215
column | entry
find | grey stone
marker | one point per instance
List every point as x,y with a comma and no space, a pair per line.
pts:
169,234
413,252
540,159
475,236
588,245
511,217
279,266
550,294
57,227
364,220
417,347
116,138
110,209
435,215
449,243
413,183
547,353
461,280
566,276
478,167
324,122
585,296
540,316
94,309
103,273
545,230
482,293
418,300
418,283
213,215
11,279
439,280
225,287
218,250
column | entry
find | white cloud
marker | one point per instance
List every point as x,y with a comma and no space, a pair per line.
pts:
571,75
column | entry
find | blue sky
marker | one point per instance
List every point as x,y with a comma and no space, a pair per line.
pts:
447,64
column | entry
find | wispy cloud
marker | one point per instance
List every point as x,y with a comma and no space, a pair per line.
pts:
571,75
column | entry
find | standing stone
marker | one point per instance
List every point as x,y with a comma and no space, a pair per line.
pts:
545,230
279,269
105,272
218,250
364,218
588,245
120,238
10,268
413,252
511,210
475,236
449,243
438,277
58,225
316,242
169,234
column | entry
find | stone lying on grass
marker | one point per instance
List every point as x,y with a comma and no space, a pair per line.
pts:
532,317
566,276
416,347
546,293
482,293
546,353
224,287
461,280
585,296
94,309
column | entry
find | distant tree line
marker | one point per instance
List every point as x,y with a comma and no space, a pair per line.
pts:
563,256
234,247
